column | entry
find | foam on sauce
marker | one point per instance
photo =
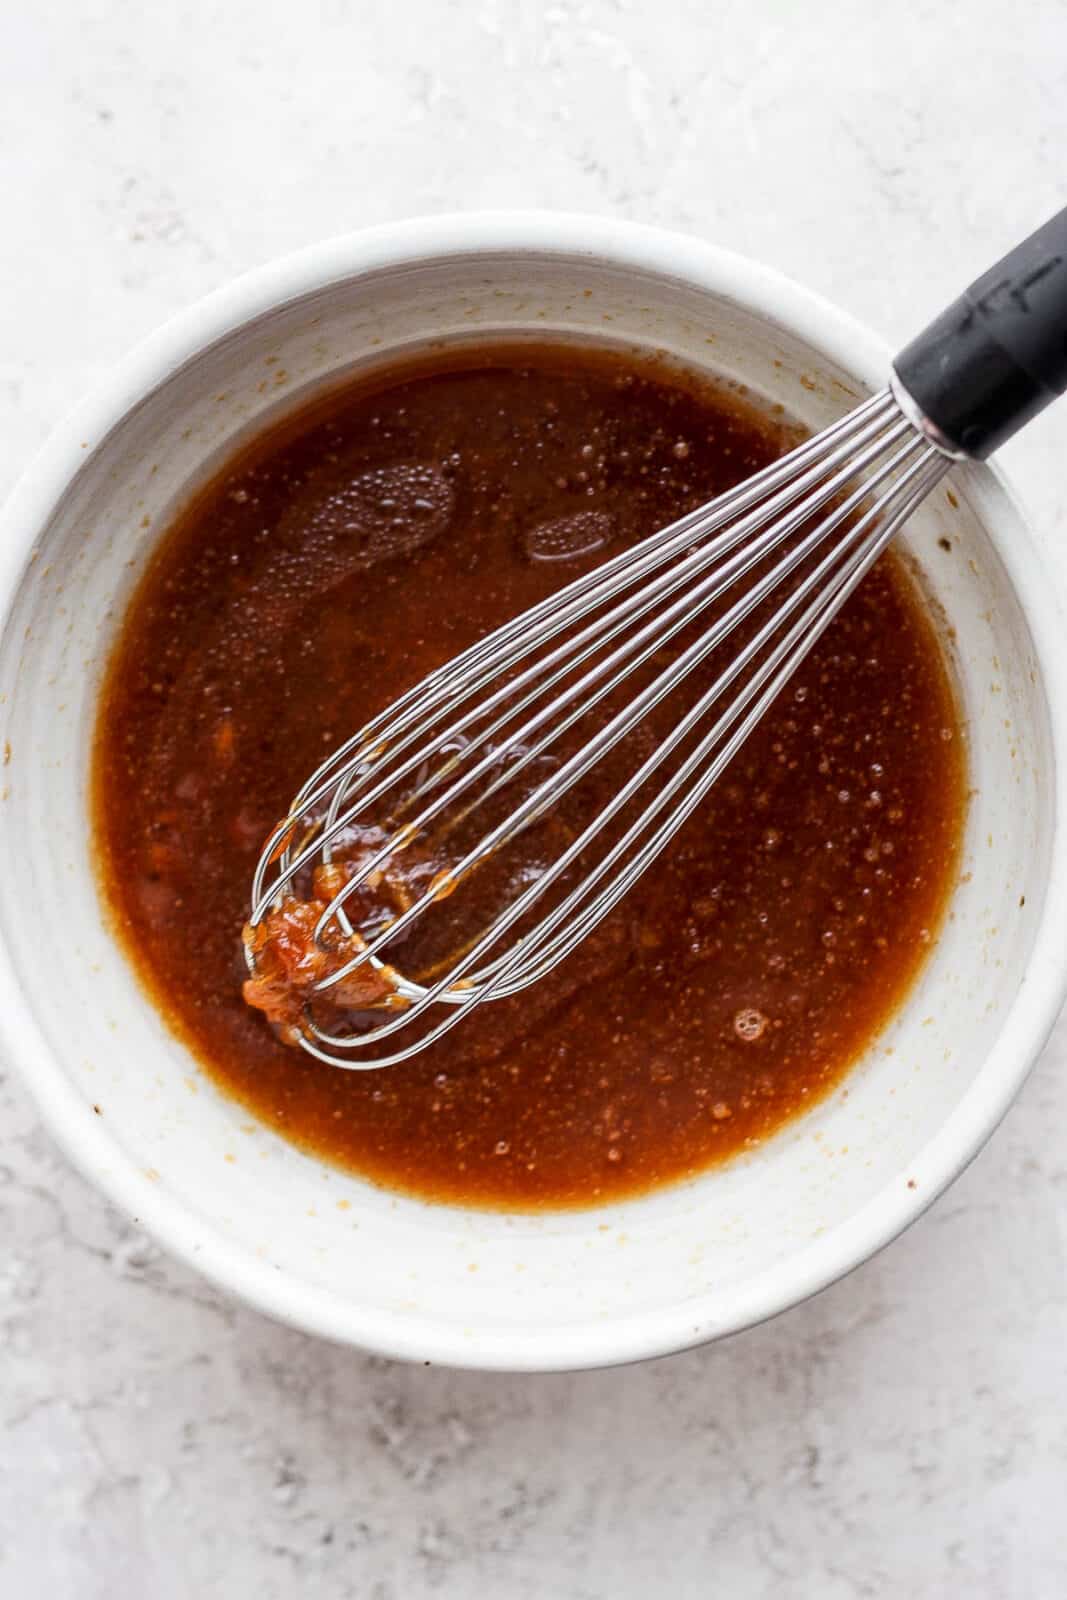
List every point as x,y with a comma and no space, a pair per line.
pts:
360,544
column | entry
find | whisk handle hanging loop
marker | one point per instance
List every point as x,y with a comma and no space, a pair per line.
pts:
997,355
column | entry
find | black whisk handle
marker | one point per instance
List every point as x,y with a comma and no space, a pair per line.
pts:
997,355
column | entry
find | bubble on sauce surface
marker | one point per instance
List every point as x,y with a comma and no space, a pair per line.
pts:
750,1024
565,538
374,515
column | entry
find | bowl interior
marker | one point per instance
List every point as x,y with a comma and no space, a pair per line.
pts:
317,1245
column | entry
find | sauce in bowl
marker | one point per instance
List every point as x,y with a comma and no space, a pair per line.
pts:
358,545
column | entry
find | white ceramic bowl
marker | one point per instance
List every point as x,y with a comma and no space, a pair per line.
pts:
321,1249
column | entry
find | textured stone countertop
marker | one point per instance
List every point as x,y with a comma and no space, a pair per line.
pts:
906,1432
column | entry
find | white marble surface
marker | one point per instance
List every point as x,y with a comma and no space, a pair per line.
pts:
903,1434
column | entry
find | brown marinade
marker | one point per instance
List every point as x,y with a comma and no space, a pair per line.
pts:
353,548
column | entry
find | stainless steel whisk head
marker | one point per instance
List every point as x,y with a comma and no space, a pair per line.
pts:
812,524
771,563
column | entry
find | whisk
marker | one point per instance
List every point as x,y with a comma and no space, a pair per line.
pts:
465,749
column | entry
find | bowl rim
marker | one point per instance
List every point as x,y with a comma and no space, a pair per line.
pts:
611,1340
